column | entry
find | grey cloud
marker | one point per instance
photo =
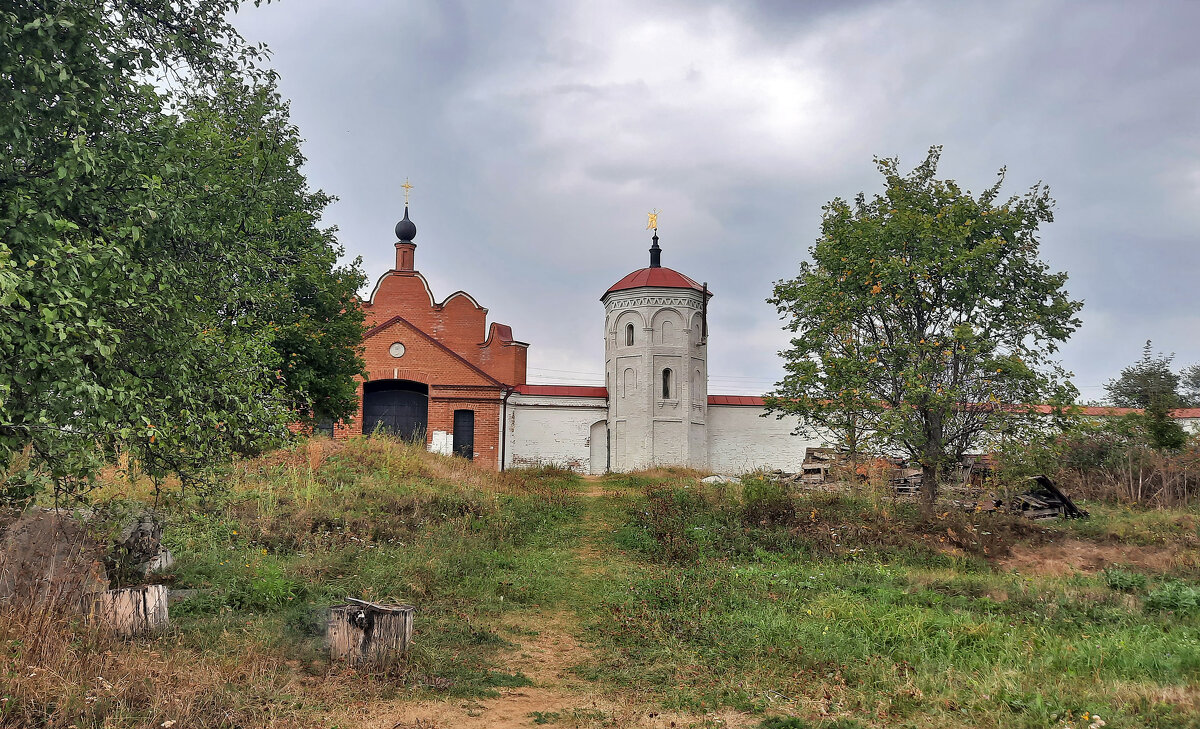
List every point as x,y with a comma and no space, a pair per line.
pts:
538,134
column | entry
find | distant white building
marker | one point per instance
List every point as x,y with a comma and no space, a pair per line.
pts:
654,408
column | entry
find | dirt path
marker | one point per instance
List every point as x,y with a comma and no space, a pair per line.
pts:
1075,555
547,651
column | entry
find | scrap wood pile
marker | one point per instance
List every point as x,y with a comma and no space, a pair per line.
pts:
822,465
1042,499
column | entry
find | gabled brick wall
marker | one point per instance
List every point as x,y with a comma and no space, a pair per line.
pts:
448,346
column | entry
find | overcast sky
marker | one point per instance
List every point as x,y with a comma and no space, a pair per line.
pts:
538,135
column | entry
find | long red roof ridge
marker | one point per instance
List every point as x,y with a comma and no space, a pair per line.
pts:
757,401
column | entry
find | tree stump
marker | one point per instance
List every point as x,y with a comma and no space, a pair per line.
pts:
367,634
133,610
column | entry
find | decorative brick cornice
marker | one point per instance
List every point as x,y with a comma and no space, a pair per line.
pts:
690,301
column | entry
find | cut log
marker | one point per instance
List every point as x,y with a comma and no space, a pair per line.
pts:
368,634
133,611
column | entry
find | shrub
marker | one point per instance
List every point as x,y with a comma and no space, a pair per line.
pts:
767,503
1124,580
1174,596
266,589
671,516
1117,461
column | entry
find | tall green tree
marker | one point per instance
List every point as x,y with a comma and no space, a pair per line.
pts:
1151,385
927,312
1145,382
164,284
1189,383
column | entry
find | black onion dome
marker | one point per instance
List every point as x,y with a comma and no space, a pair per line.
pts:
406,229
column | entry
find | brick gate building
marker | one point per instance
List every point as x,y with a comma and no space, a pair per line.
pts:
436,371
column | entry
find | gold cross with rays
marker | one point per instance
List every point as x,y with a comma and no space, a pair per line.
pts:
653,219
407,186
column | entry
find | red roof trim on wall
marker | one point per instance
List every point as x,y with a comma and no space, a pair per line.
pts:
563,390
755,401
735,400
379,328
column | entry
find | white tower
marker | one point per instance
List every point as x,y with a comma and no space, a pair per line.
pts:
656,368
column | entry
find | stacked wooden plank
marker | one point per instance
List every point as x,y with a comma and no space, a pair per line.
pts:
1044,500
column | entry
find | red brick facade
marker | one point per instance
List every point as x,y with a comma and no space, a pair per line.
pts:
448,347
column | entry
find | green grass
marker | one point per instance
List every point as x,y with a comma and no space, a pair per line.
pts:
821,611
884,624
379,529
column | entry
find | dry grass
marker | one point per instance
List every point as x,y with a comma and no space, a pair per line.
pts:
60,667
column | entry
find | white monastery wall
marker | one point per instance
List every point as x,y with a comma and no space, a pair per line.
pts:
555,430
740,439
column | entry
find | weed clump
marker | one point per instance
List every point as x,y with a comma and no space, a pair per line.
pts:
686,522
1175,597
1123,580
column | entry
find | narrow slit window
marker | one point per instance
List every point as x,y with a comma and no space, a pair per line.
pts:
628,335
667,384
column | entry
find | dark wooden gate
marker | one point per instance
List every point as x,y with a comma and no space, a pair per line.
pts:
396,407
464,433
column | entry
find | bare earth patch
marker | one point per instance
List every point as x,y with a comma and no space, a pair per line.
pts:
557,698
1073,555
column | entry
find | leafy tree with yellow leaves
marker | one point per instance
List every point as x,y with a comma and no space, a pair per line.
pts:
927,319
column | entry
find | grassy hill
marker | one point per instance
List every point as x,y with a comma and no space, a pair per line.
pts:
650,599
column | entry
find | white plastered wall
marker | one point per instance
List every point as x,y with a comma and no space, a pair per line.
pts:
552,430
647,428
741,440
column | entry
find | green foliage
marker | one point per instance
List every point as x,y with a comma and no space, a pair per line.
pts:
844,619
1189,384
1123,458
926,313
767,502
1146,382
1176,597
1124,580
859,630
793,722
784,722
164,288
1150,384
266,588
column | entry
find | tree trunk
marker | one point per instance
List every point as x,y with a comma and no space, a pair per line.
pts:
930,473
931,464
133,610
366,634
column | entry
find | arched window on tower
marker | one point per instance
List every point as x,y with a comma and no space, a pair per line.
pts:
628,335
667,384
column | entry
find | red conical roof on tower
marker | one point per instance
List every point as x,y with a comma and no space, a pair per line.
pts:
655,275
667,278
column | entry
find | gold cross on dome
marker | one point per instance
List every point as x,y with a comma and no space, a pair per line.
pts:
653,219
407,186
